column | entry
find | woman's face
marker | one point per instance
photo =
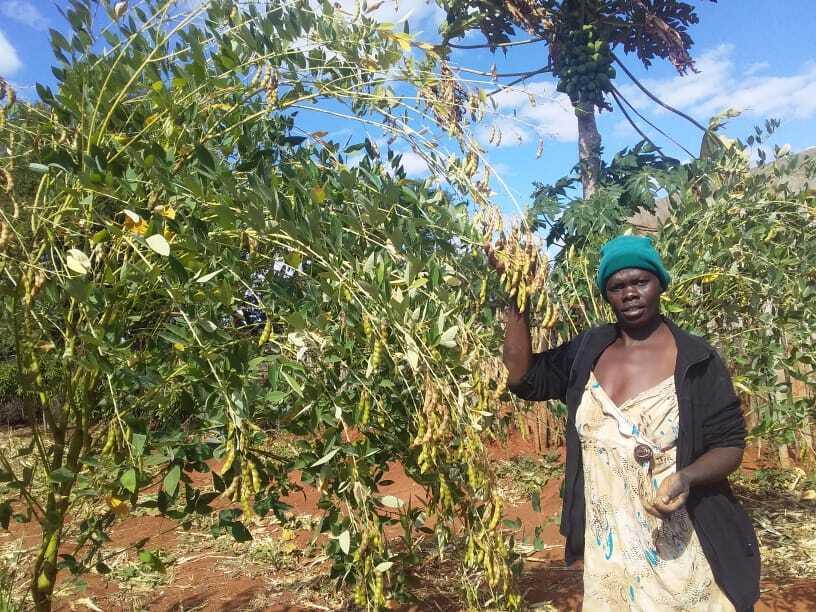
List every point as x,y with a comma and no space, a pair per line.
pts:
634,295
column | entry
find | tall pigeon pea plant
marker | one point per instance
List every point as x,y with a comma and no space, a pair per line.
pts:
189,246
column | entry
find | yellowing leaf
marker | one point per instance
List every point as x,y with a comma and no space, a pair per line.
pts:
77,261
403,39
293,259
168,212
158,244
134,222
119,506
318,194
319,134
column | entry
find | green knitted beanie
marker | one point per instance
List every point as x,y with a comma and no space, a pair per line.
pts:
630,252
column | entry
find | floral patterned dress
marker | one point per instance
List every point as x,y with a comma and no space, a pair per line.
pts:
632,560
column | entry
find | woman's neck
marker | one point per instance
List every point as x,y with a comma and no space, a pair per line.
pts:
642,333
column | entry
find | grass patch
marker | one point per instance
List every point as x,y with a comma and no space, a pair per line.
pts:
521,477
13,580
784,519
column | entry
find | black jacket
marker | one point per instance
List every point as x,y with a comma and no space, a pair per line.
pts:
710,417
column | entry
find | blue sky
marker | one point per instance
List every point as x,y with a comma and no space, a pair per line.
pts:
755,55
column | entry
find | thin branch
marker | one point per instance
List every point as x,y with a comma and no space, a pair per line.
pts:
634,125
499,75
526,76
489,46
654,97
618,94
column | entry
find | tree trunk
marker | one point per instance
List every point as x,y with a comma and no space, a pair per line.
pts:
589,147
45,566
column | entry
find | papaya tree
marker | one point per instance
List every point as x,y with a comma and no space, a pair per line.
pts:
581,38
192,247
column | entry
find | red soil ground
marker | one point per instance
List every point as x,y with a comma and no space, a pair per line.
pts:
199,581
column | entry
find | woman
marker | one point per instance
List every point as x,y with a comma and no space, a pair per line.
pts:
653,430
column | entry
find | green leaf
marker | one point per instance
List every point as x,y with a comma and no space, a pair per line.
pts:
154,459
296,387
102,567
535,500
151,560
512,523
138,443
5,514
344,540
61,475
171,480
326,458
158,244
128,480
275,397
239,532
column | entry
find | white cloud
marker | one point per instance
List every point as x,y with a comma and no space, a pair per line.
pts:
25,13
414,164
9,60
422,15
756,67
720,85
788,97
529,114
624,129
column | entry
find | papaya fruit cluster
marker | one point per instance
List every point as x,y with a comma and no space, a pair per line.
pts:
584,67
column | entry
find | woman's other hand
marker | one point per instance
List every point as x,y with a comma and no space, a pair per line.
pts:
671,496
